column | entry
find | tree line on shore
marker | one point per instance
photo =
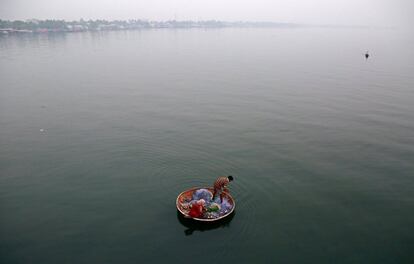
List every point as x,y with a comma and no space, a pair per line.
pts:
51,25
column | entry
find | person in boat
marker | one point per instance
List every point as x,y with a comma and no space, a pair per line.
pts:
220,186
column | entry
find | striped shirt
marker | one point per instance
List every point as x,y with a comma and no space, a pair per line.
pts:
220,183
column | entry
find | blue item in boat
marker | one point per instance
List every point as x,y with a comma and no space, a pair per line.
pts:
202,194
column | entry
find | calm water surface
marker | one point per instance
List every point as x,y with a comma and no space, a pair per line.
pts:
99,132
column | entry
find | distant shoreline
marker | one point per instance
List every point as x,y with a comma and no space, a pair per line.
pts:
52,26
62,26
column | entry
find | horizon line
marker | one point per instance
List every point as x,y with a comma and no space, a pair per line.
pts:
206,20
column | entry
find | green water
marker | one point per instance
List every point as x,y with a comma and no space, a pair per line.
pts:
99,132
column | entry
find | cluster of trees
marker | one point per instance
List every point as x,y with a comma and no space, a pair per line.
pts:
33,24
97,24
62,25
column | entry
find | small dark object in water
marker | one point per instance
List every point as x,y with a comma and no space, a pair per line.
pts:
366,55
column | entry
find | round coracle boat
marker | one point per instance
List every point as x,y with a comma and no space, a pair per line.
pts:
185,198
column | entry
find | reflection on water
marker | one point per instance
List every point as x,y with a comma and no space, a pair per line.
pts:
193,225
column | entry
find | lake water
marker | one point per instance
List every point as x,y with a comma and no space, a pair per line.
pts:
99,132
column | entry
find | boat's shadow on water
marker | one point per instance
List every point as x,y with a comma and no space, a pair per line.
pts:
193,225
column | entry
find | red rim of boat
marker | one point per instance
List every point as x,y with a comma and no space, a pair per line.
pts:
177,204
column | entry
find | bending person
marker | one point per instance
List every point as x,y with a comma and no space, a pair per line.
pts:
220,186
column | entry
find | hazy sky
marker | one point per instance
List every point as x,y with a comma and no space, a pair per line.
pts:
348,12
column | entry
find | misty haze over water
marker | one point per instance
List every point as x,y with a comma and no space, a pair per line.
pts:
101,130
